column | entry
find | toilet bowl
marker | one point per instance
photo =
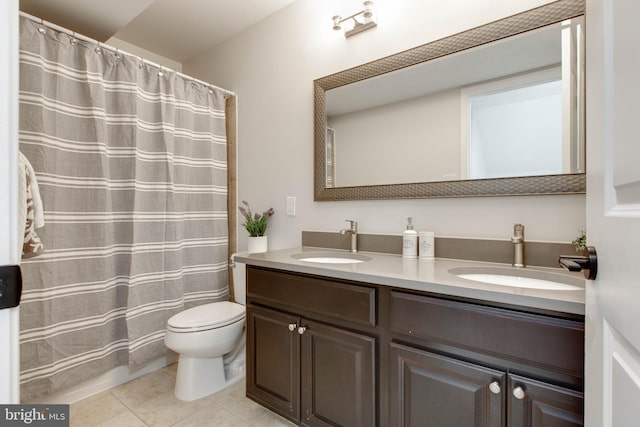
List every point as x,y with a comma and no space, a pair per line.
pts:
210,340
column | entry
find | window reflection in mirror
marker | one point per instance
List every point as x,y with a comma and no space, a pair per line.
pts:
513,127
330,156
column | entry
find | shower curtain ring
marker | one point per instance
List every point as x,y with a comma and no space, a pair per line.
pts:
41,29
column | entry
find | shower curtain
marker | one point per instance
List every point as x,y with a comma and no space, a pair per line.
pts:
131,165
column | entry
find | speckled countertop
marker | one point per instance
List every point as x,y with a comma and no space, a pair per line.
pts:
429,276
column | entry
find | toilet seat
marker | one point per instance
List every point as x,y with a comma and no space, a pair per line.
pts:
207,316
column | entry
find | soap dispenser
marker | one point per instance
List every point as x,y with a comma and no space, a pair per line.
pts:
409,241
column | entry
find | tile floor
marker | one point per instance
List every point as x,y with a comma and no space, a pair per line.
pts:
149,401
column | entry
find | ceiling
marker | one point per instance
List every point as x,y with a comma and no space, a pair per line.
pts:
176,29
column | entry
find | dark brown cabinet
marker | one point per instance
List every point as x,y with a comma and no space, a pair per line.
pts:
432,390
337,377
333,352
308,371
537,404
273,368
429,388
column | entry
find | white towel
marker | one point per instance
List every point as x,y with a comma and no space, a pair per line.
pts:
31,213
38,209
22,193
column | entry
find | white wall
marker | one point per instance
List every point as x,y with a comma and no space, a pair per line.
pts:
271,67
146,54
408,141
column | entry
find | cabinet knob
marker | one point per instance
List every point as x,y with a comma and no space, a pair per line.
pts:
495,387
301,329
292,327
518,393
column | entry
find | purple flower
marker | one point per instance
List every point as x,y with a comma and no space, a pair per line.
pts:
255,223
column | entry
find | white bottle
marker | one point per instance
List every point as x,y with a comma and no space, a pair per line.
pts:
409,241
426,244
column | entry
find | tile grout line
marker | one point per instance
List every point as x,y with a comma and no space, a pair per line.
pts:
129,409
236,410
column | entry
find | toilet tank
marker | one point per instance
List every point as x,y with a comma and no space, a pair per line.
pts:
239,280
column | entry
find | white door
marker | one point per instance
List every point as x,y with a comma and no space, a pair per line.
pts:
613,213
9,251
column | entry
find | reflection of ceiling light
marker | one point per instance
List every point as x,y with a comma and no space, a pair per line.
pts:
366,22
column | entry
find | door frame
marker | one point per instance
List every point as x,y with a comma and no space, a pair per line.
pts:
9,234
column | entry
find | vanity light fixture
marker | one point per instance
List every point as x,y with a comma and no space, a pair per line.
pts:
358,26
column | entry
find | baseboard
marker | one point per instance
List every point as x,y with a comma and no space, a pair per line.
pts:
106,381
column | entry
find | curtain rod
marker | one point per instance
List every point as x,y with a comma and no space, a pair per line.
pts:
55,27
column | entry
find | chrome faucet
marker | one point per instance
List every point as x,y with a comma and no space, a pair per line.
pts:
518,245
353,230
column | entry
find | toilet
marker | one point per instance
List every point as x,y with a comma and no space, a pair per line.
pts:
210,340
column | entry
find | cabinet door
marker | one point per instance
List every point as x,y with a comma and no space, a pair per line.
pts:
337,377
430,390
537,404
273,361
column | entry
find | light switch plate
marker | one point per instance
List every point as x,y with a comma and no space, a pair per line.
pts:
291,206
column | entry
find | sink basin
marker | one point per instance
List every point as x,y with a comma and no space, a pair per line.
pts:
519,278
331,257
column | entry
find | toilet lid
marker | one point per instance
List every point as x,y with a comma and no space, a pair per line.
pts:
211,315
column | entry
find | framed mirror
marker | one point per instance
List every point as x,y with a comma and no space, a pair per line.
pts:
495,110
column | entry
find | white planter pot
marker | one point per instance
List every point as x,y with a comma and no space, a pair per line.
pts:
257,244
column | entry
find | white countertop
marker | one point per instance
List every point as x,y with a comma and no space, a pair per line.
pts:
427,275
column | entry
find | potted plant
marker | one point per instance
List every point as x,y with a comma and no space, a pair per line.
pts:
256,226
580,243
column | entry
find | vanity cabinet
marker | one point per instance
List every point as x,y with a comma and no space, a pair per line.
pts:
428,389
299,364
273,356
333,352
454,363
536,403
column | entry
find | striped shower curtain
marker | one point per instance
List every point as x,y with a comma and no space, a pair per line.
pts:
131,166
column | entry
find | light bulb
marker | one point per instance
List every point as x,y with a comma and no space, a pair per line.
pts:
368,13
336,22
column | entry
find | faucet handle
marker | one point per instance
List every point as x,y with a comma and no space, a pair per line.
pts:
518,233
353,224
